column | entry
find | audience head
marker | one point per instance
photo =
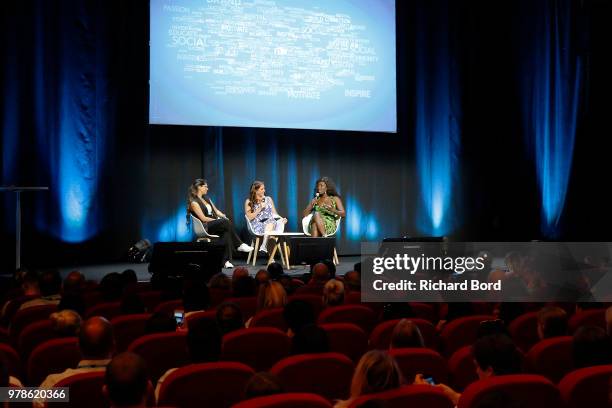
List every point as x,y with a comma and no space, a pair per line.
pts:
333,293
238,273
271,295
591,346
609,321
243,286
262,276
160,323
131,303
72,301
331,268
406,334
310,339
320,273
262,384
552,322
96,340
275,270
220,281
376,371
50,282
73,283
204,341
66,323
352,281
126,381
195,296
496,354
297,314
229,317
111,286
129,278
30,285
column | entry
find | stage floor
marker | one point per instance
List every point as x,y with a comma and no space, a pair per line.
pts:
96,272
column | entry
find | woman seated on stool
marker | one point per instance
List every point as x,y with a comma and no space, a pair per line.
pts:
261,213
217,223
326,208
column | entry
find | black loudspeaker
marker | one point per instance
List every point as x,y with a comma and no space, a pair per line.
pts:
310,250
173,258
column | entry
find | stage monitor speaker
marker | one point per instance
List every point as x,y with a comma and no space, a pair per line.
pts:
310,250
173,258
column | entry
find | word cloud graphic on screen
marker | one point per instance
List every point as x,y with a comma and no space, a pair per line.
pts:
304,64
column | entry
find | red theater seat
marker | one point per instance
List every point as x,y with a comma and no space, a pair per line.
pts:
92,298
593,317
530,391
161,351
413,361
248,305
85,391
128,328
169,306
346,338
150,299
218,296
325,374
33,335
52,356
462,368
257,347
12,306
460,332
381,335
315,301
27,316
11,358
409,396
587,387
360,315
270,318
106,309
524,330
290,400
193,317
551,358
214,385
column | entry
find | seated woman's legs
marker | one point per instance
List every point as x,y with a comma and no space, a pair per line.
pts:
317,226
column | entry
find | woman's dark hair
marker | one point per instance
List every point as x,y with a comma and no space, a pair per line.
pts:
297,314
254,187
331,186
310,339
192,195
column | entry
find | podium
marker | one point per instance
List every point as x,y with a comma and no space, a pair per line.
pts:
18,191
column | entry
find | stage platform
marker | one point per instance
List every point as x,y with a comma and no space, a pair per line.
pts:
96,272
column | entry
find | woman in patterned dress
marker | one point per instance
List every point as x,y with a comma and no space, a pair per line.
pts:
326,208
261,213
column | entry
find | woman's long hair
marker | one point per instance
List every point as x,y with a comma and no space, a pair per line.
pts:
254,187
377,371
192,195
331,187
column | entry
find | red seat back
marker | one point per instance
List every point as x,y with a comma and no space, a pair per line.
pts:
169,306
92,298
531,391
460,332
270,318
360,315
161,351
315,301
85,391
218,296
12,306
552,358
150,299
215,385
106,309
257,347
381,335
409,396
289,400
248,305
524,330
325,374
587,387
128,328
462,368
26,316
193,317
52,356
346,338
593,317
11,358
34,334
413,361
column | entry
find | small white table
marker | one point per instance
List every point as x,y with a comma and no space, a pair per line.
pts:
282,246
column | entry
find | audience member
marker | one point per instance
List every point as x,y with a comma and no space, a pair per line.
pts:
196,297
160,323
66,323
297,314
243,286
262,276
50,285
609,321
333,293
309,340
275,270
591,346
320,275
331,268
271,295
552,322
239,273
262,384
131,303
352,281
376,371
406,334
126,382
229,317
220,281
111,287
73,284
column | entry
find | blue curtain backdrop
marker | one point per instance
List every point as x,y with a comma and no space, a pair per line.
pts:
74,116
